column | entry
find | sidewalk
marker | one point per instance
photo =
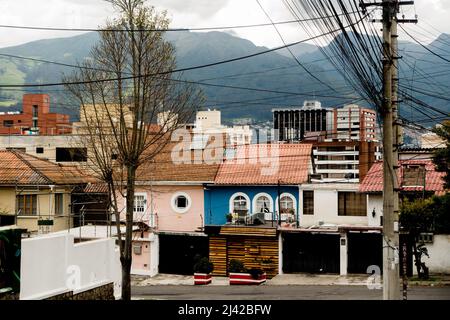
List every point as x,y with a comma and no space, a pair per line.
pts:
279,280
300,279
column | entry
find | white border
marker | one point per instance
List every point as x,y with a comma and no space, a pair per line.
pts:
255,198
236,195
292,197
175,208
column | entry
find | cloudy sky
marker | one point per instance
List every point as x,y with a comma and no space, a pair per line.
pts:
433,15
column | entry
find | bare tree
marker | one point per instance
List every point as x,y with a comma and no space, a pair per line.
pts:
130,103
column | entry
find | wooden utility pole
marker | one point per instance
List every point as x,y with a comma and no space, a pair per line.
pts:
391,281
391,142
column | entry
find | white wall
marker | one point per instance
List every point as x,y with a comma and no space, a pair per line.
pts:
374,202
439,251
326,206
54,264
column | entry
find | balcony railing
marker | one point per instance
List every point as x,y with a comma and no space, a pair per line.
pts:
261,218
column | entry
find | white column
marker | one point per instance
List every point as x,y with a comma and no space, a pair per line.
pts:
280,254
343,254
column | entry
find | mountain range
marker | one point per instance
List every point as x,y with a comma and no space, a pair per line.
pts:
279,79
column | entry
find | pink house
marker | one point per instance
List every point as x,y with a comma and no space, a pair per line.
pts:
169,199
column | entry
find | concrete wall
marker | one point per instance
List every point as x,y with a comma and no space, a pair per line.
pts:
147,262
439,260
45,208
30,143
52,265
374,202
7,200
326,206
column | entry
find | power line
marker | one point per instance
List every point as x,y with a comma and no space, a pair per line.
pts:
173,71
155,30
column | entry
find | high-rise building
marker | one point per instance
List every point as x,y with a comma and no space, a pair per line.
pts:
293,123
350,123
355,123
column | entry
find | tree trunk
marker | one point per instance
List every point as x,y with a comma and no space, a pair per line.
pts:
126,278
126,256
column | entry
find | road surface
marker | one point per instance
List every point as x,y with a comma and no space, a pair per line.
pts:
290,292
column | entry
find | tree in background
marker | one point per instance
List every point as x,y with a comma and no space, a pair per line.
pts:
125,88
442,156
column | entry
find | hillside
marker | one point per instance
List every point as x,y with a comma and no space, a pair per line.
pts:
273,71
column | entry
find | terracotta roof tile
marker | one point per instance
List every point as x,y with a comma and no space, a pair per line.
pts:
167,166
23,169
266,164
373,182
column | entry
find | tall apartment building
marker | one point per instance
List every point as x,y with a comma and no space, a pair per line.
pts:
343,161
350,123
294,123
209,123
35,118
355,123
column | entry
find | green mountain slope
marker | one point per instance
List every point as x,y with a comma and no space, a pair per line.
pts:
273,71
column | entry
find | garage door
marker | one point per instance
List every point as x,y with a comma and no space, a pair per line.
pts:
364,250
312,253
177,253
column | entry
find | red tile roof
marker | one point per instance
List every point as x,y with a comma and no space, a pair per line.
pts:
373,182
170,165
266,164
98,187
18,168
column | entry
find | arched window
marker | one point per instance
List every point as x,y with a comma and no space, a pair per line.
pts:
239,203
262,204
287,204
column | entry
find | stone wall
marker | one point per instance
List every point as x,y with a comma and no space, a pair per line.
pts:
9,296
105,292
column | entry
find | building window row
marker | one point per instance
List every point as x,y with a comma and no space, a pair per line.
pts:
262,203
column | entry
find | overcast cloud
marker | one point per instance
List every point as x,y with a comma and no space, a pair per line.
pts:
188,13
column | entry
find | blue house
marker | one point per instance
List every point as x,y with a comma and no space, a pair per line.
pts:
256,182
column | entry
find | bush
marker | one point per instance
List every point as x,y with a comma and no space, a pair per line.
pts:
203,266
236,266
255,273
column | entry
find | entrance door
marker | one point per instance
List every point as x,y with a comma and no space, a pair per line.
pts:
312,253
364,250
177,253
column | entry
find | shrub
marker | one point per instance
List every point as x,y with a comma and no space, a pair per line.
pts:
255,273
236,266
203,266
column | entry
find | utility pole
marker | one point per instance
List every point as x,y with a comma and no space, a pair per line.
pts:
391,274
391,142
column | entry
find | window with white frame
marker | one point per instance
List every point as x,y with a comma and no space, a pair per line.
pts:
140,202
181,202
240,204
287,204
263,204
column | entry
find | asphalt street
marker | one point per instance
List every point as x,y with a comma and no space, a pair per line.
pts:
289,292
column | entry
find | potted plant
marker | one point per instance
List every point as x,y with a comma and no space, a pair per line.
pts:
202,271
229,217
239,275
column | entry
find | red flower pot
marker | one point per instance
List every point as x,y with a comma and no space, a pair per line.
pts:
246,279
202,278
